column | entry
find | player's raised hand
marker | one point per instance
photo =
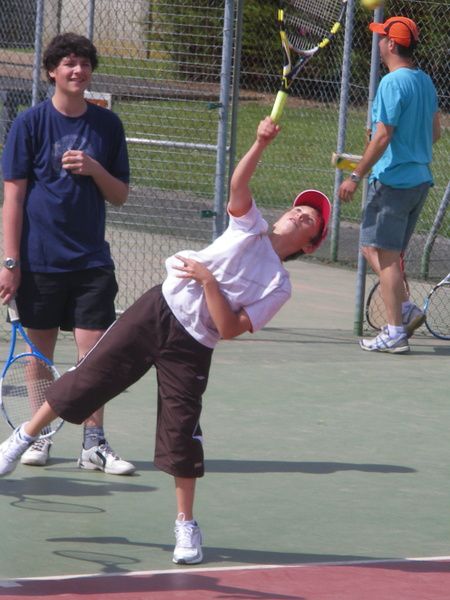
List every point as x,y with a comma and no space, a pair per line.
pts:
267,130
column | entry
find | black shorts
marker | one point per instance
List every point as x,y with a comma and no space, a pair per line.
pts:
76,299
146,335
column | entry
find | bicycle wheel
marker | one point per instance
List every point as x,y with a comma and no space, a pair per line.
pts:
437,311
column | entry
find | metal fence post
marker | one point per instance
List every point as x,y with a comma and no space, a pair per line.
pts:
39,28
342,125
222,130
362,266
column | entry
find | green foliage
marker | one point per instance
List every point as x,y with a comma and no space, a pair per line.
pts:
185,44
262,54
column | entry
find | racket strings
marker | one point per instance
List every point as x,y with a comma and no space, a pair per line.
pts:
438,311
310,23
327,11
24,387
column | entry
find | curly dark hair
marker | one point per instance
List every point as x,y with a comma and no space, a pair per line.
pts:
65,44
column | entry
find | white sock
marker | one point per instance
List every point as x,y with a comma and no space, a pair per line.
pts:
396,330
25,436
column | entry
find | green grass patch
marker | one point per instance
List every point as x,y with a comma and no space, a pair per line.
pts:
298,159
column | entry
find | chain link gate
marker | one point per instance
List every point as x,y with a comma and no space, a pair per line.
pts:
161,68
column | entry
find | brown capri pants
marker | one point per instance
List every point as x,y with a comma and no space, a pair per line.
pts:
146,334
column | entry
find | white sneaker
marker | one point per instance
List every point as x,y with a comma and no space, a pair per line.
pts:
413,319
10,452
38,453
188,549
103,458
384,343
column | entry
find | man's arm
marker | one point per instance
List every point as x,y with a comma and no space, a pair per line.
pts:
240,195
373,152
436,127
14,196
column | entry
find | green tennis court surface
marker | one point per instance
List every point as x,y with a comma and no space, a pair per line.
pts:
317,452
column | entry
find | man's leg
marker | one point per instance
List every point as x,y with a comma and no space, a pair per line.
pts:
387,264
392,285
412,316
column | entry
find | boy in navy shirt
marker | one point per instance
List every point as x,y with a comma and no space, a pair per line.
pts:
62,160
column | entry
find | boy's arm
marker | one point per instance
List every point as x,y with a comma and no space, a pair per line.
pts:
14,195
240,195
228,323
113,189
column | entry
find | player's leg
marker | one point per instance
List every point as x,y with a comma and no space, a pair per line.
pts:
38,453
39,300
183,370
17,444
121,357
89,312
385,231
391,285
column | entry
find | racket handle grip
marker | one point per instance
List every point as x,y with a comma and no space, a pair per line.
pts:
12,311
278,106
345,162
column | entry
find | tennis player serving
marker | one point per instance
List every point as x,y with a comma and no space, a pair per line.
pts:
236,284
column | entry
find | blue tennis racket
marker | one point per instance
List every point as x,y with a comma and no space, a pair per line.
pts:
25,379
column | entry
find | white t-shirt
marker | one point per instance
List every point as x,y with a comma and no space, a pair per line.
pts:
250,274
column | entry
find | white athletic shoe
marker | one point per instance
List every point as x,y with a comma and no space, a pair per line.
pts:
103,458
188,549
413,319
38,453
10,452
383,343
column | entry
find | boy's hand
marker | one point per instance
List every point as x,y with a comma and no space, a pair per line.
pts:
267,130
78,162
192,269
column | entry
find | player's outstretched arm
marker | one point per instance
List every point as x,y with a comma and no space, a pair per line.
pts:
240,194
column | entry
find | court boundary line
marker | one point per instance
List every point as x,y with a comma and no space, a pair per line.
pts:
16,582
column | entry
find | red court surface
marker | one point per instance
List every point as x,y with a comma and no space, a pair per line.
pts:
410,579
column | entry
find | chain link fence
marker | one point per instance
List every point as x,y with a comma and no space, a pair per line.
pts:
311,130
190,80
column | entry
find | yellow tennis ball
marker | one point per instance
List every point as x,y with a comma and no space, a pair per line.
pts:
371,4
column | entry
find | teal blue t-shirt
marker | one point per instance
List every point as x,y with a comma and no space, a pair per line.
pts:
406,99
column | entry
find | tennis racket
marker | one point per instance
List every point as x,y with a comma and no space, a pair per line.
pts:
306,26
437,309
25,379
345,161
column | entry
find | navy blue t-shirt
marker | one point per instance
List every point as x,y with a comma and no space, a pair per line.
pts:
64,213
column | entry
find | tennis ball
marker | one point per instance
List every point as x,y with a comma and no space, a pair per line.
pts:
371,4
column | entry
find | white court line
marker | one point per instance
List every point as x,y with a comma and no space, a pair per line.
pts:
5,583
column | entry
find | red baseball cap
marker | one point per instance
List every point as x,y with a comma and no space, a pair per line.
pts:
400,29
320,202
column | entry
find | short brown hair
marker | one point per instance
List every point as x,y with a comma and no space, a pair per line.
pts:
64,45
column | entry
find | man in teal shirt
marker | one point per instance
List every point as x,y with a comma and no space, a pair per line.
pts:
405,124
